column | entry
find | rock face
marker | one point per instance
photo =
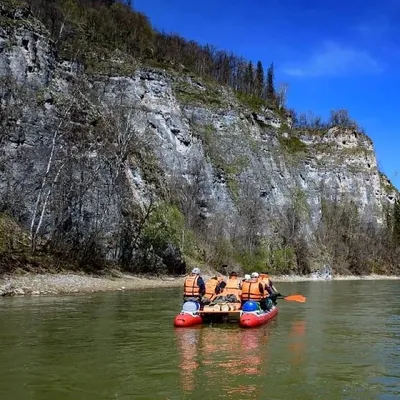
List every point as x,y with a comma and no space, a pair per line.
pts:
165,131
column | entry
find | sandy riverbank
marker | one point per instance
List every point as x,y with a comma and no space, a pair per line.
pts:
67,283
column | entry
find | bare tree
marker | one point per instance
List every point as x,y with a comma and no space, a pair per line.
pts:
52,166
282,95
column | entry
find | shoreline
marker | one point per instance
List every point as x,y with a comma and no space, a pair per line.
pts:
75,283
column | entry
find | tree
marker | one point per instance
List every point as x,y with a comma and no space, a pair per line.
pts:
282,95
249,78
270,89
341,118
259,79
396,222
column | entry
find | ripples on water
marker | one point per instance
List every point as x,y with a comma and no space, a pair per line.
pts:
343,343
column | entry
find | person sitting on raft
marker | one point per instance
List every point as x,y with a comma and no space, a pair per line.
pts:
213,288
194,287
253,289
246,278
232,286
269,286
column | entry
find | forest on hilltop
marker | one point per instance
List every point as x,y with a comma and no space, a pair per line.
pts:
87,31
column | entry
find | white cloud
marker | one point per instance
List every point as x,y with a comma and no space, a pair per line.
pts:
333,59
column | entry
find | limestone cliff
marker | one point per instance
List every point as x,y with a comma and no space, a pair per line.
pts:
80,153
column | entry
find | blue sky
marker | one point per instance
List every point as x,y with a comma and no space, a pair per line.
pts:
332,54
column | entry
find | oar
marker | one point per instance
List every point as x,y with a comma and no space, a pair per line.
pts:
294,297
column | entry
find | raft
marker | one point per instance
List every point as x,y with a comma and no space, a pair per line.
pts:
185,319
189,315
252,319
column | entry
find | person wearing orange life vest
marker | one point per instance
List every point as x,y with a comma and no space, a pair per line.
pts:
233,285
212,288
253,289
273,292
267,279
246,278
194,287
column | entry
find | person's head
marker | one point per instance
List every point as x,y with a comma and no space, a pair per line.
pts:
255,275
247,277
196,271
233,273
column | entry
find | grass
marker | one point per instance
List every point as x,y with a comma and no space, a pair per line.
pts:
293,145
189,94
252,102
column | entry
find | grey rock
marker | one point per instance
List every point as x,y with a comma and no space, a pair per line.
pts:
27,290
225,151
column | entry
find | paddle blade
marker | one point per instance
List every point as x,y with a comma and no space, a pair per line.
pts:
296,297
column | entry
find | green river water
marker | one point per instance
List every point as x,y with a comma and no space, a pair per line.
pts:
343,343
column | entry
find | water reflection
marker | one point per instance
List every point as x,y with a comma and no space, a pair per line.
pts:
187,343
296,344
221,353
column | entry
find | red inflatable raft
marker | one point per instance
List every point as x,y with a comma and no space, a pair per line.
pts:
256,318
185,319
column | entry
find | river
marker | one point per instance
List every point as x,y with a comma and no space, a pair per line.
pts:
343,343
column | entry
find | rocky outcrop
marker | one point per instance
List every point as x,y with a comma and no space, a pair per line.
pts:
120,140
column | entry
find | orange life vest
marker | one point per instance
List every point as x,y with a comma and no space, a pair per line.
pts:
264,279
232,287
251,290
211,285
191,289
233,283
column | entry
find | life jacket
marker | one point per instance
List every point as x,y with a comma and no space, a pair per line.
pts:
264,279
251,290
211,285
232,283
232,287
190,288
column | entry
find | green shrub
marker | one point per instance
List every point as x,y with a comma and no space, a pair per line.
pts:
165,225
253,102
293,144
280,261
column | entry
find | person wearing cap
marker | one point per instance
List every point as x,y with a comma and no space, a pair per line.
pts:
194,287
247,277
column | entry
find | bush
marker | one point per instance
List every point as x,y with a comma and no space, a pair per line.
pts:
279,261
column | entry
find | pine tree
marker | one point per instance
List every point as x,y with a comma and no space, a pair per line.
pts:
270,85
396,222
259,79
250,79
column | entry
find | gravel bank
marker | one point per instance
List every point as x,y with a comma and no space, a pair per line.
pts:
43,284
66,283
